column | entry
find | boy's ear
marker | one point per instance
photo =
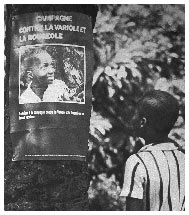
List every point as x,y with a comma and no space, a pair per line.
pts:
143,122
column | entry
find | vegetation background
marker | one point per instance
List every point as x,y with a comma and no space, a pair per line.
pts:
137,48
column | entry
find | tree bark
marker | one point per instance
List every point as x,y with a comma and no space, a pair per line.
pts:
41,185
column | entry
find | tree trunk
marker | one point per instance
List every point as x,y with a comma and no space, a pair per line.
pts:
40,185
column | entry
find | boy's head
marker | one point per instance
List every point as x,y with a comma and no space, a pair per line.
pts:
156,114
40,64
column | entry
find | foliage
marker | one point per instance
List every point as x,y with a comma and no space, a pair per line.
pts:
137,48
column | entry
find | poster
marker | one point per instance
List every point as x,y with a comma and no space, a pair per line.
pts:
50,85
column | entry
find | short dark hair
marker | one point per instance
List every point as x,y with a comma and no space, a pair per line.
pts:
33,59
160,109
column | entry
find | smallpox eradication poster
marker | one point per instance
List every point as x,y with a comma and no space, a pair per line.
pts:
50,85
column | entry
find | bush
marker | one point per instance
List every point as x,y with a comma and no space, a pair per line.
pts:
137,48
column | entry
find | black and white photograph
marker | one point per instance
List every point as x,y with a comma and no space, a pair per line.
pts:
52,73
95,107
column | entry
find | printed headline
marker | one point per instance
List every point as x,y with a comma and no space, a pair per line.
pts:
43,31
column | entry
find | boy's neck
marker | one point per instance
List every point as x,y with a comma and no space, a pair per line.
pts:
38,89
158,138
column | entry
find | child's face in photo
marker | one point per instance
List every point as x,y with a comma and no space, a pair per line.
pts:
43,69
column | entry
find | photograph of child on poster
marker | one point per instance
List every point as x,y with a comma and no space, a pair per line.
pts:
52,73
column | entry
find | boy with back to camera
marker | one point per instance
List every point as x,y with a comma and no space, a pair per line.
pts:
154,178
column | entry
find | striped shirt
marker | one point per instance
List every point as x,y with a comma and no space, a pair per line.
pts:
156,174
